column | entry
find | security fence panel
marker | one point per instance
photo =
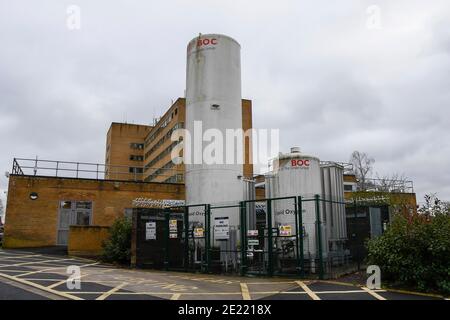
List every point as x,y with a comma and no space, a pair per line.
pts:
196,231
285,236
150,238
225,232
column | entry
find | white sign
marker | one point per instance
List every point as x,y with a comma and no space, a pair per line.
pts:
252,233
150,230
173,235
221,228
253,242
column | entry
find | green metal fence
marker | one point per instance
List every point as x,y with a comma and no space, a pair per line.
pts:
260,248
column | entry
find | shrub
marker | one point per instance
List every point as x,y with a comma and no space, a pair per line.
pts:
415,252
117,248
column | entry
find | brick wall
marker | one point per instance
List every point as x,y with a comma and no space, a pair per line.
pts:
34,223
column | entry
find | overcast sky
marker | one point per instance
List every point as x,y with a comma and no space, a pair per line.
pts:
334,76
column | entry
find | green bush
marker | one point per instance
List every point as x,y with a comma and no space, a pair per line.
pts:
415,252
117,248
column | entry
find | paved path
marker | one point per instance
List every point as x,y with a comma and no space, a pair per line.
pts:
47,274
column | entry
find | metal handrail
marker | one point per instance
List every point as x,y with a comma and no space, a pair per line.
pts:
57,168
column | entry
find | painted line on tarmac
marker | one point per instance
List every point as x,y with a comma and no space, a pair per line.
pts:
36,262
273,282
176,296
416,293
373,293
20,257
60,282
337,283
245,291
41,287
54,268
110,292
310,293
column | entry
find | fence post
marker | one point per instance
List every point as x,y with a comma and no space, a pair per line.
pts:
243,216
269,238
319,236
299,214
186,238
166,239
208,237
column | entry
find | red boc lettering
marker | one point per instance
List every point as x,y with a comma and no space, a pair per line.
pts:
300,163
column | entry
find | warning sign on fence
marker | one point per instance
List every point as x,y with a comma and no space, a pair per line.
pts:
150,230
173,226
198,232
286,230
221,228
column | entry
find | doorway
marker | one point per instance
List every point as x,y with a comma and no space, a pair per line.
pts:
72,213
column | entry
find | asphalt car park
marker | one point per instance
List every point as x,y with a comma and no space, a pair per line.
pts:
48,274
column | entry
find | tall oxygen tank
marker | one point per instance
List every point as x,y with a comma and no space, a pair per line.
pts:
213,104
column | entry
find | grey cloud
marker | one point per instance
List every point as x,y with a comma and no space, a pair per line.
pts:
312,69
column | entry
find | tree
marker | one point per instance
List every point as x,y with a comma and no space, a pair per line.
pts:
117,248
434,206
362,166
393,183
415,249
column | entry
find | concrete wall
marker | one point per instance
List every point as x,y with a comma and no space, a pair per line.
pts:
87,241
34,223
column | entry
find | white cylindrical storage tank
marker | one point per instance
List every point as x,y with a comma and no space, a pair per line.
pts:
214,167
334,208
295,174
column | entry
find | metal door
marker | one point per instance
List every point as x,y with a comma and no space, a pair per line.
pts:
72,213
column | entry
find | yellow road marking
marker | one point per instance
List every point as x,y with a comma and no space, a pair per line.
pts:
176,296
274,282
110,292
308,290
20,257
36,262
338,283
245,291
372,293
38,286
54,268
54,285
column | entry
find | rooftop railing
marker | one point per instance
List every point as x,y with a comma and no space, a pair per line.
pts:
85,170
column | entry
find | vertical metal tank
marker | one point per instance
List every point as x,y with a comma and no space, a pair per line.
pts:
213,97
295,174
332,177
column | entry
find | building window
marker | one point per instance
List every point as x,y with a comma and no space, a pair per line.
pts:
84,205
348,187
136,158
135,170
83,218
138,146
